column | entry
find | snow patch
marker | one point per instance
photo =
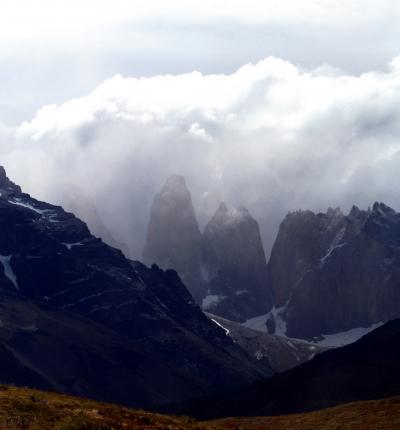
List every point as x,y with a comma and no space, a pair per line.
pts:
28,206
280,323
211,301
336,243
259,355
70,245
31,327
240,292
220,325
257,323
346,337
260,323
51,214
53,217
228,216
5,260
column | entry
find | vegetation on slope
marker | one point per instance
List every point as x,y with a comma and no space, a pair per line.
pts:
26,409
366,415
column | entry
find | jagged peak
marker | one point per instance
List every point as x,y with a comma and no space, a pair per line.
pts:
231,211
6,185
354,211
3,174
382,209
228,215
175,188
175,180
223,208
299,214
174,191
334,213
4,181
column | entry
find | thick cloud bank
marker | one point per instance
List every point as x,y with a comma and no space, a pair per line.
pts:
269,136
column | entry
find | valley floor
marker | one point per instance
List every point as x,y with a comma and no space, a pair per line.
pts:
25,409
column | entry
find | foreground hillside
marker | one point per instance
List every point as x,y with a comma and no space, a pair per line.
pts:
368,415
25,409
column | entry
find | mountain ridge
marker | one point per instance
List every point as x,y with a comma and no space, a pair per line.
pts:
49,256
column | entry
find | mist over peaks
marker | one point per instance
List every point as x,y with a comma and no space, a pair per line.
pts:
270,136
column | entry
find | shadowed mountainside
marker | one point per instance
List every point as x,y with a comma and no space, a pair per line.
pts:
50,260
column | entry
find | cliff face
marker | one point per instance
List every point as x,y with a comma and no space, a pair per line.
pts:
173,236
303,238
331,273
224,268
234,265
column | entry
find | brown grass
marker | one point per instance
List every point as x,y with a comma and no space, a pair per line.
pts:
367,415
25,409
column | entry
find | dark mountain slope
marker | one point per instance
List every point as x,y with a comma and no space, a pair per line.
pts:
48,255
45,348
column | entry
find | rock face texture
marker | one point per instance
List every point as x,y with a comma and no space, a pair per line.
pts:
224,268
63,283
173,237
331,273
234,265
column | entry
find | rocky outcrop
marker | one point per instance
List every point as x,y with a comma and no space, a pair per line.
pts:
155,331
279,353
173,236
332,273
234,265
303,238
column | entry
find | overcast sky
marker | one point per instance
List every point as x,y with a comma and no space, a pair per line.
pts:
276,105
52,50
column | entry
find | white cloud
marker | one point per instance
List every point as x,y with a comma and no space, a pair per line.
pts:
54,50
270,136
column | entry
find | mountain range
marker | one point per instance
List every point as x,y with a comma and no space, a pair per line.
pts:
79,317
329,274
332,272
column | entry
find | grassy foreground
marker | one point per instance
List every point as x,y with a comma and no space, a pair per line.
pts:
25,409
366,415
